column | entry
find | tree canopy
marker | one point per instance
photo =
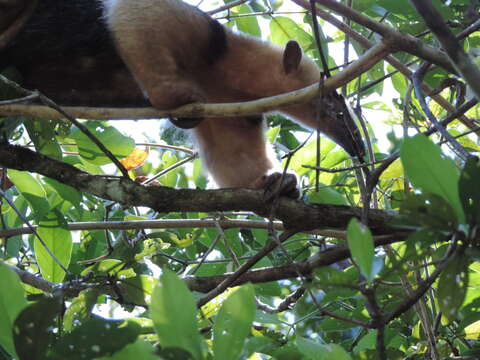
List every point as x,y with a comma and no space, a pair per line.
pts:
377,260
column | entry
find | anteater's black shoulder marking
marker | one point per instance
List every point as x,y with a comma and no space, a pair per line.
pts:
218,45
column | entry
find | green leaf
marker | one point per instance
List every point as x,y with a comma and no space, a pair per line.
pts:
12,302
308,155
34,328
80,309
312,350
289,351
398,7
326,195
97,337
42,133
233,323
169,179
398,80
472,331
138,289
119,145
420,243
110,267
428,210
247,24
452,286
59,240
173,312
283,29
316,351
140,349
174,353
361,247
470,191
66,192
431,172
272,133
32,191
367,342
336,284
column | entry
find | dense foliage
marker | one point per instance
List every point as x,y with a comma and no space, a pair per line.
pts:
85,275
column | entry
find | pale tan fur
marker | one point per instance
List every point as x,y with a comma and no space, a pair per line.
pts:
164,43
235,152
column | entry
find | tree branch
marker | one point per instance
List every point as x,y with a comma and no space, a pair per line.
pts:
205,284
401,41
364,42
295,214
363,64
460,60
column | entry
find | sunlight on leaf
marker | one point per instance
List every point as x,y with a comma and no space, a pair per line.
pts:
12,302
32,190
472,331
118,144
173,312
361,247
58,239
430,171
452,286
233,323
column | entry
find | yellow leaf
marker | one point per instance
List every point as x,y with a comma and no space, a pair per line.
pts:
394,171
136,158
472,331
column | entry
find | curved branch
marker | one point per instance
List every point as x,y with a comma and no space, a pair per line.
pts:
460,60
363,64
282,272
364,42
401,41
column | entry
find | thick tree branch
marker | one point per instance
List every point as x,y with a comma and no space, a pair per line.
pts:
294,214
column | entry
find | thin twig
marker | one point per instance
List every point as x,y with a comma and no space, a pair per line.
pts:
348,168
269,247
170,168
417,80
45,100
460,60
227,6
33,230
285,304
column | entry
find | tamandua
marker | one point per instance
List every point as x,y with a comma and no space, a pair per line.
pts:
177,55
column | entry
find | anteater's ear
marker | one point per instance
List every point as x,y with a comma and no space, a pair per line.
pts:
292,55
